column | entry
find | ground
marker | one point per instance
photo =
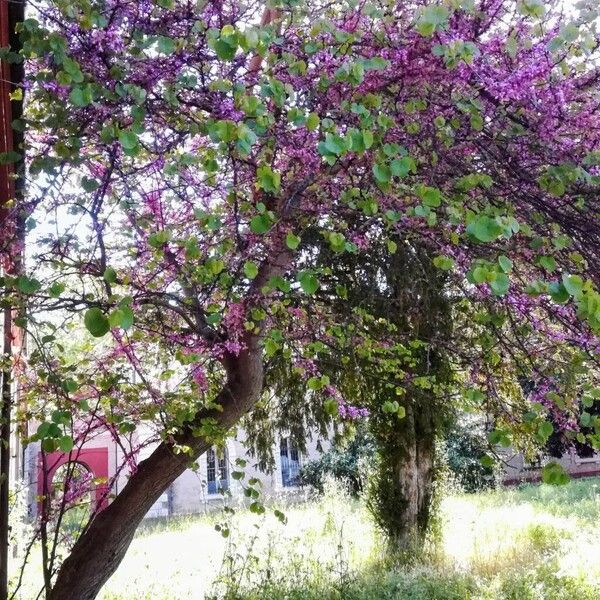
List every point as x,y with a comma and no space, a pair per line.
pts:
531,543
536,542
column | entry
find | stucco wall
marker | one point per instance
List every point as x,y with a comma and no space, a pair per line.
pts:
518,470
189,493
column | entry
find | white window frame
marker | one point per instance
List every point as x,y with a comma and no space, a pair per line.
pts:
218,493
288,443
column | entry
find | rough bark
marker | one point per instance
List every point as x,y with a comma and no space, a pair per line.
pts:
401,499
402,492
425,436
406,480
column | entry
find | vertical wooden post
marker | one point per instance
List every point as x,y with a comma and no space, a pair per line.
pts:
11,228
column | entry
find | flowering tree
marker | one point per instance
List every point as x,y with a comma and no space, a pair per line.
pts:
189,162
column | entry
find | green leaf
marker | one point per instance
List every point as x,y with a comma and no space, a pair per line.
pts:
56,289
308,282
251,38
334,144
430,196
9,158
331,407
445,263
337,241
48,445
548,263
558,292
268,180
487,461
110,275
480,275
166,45
484,229
257,508
28,285
431,19
96,322
121,317
128,139
115,317
532,8
224,130
401,167
127,318
225,48
312,121
260,224
89,185
81,96
545,430
315,384
512,45
292,241
357,141
394,407
65,443
159,238
573,284
250,269
71,385
500,284
505,263
499,437
382,173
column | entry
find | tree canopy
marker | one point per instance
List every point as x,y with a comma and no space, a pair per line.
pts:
191,163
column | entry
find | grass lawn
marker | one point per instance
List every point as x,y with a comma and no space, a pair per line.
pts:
531,543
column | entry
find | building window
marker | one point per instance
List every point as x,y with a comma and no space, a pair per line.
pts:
290,463
217,473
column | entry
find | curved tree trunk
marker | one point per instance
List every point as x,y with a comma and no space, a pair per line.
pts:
101,548
98,552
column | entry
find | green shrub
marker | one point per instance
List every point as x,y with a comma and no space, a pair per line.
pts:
464,446
348,464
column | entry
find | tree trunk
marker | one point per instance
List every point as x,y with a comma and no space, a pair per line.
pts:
402,494
425,436
101,548
406,472
99,551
